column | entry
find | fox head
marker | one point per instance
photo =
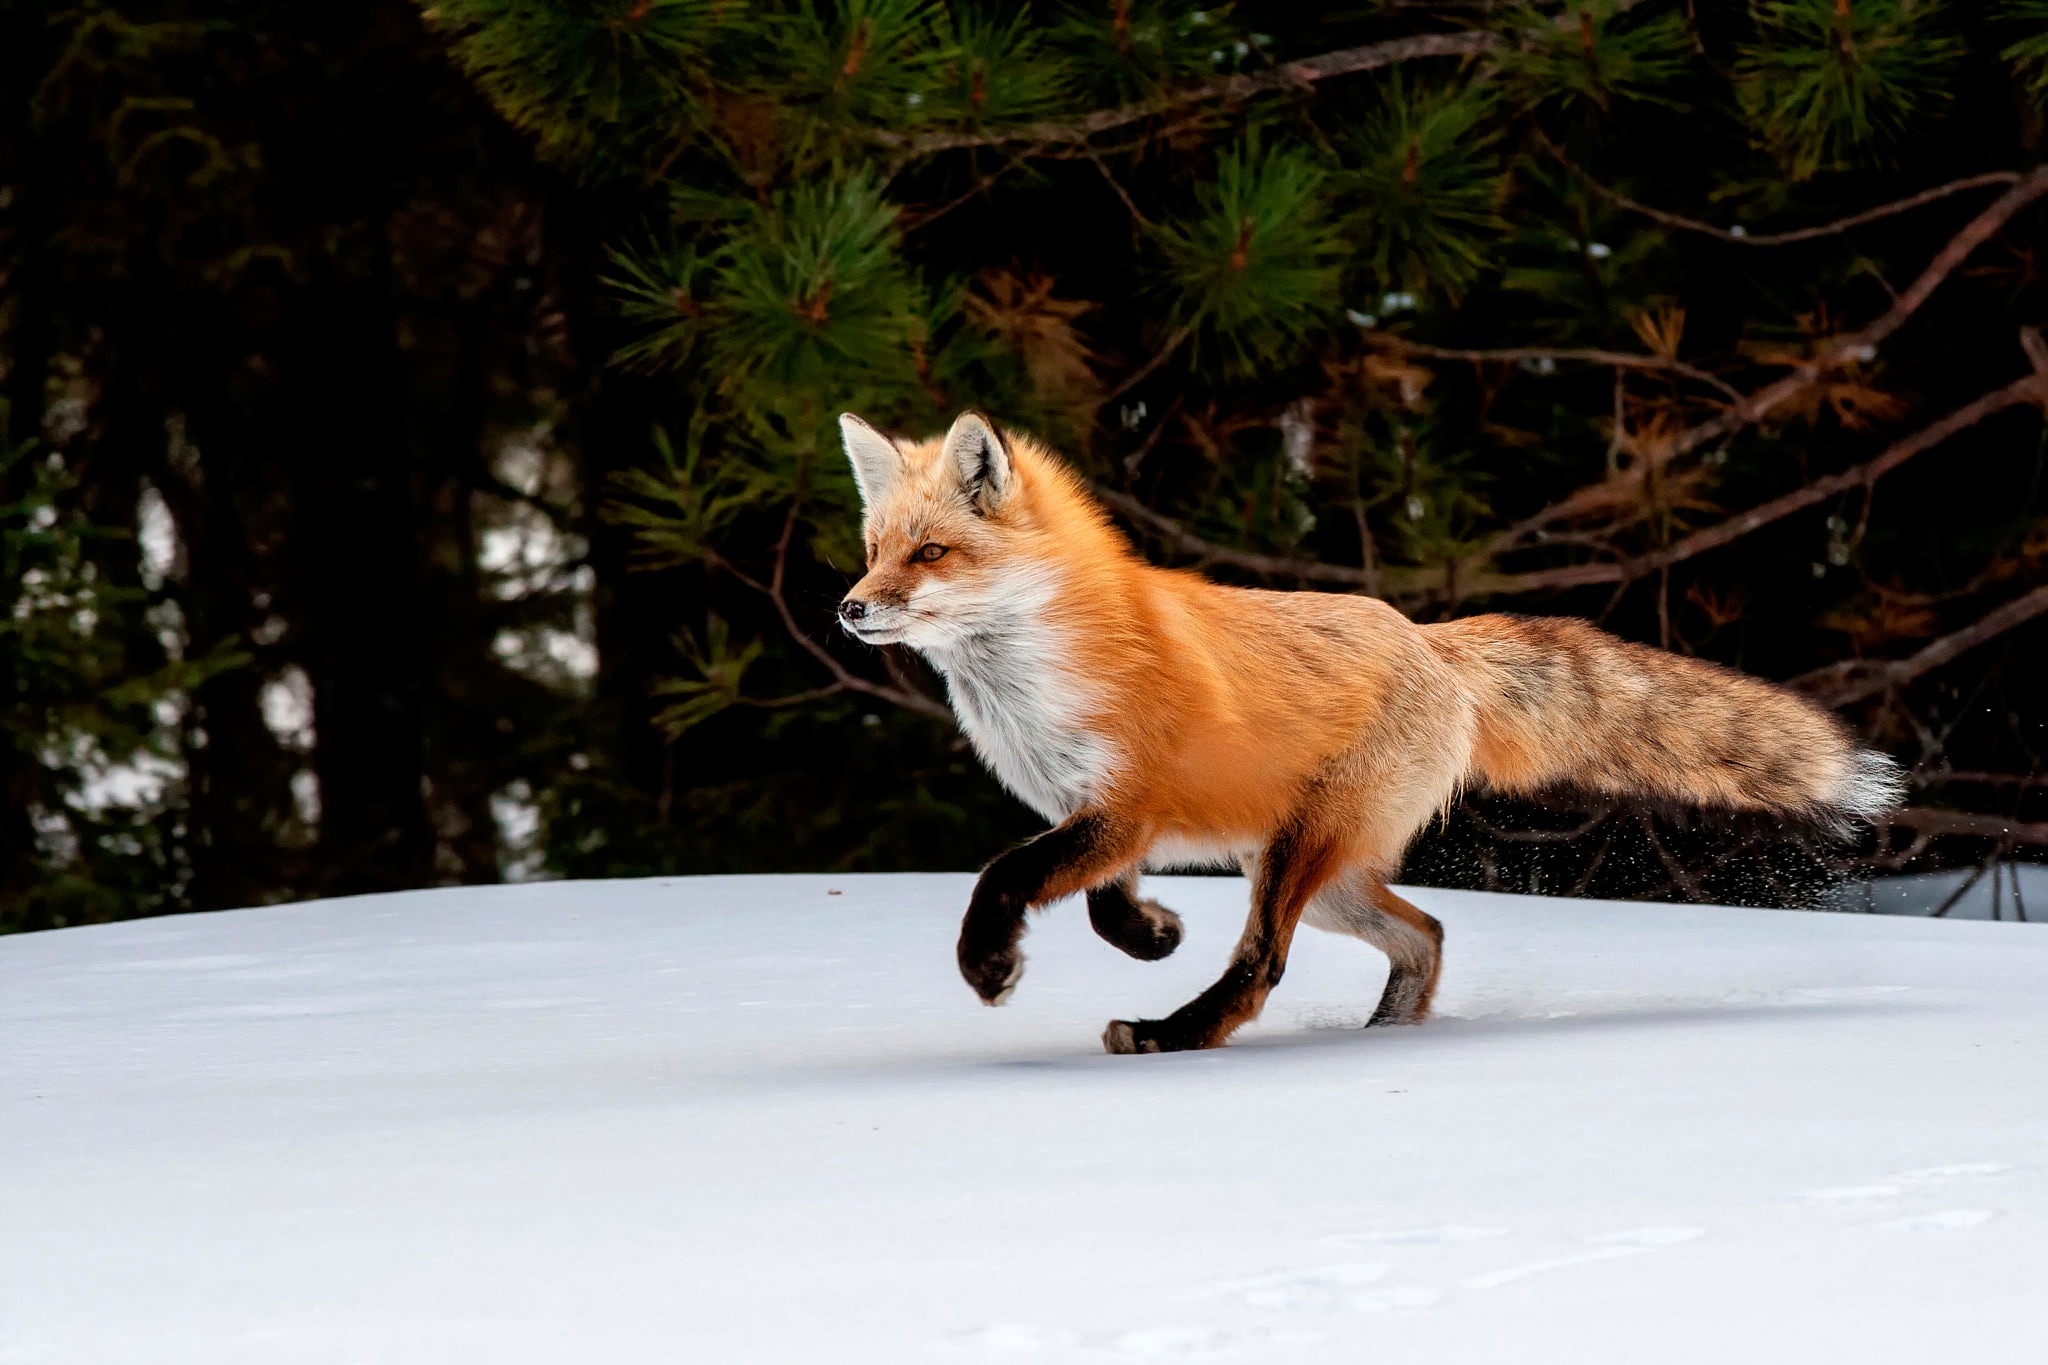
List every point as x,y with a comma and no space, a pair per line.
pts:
950,534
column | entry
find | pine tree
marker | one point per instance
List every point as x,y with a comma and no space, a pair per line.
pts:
283,369
89,741
1704,319
1465,305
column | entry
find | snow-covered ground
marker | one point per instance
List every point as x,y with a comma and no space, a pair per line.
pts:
752,1120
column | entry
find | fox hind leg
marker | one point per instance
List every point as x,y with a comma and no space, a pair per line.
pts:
1414,944
1145,929
1362,905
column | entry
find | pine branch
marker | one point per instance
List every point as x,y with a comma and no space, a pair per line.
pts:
1288,76
1855,347
1853,680
2032,388
1462,578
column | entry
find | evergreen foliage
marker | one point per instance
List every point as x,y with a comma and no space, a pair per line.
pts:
275,288
1096,221
89,735
538,315
1252,269
1828,82
1425,188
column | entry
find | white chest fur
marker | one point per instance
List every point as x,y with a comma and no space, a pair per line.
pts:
1025,713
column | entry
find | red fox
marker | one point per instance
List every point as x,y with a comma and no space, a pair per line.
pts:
1158,719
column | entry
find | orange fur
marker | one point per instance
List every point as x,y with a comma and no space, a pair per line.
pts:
1210,720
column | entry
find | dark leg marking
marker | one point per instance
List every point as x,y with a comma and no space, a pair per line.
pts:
1065,859
1291,869
1360,904
1145,929
1413,941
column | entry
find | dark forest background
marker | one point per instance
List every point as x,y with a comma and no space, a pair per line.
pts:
416,452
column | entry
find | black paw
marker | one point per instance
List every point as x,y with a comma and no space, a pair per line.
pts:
993,974
1126,1037
1146,930
1405,1000
1152,935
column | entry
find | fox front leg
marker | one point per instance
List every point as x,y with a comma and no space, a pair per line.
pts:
1291,869
1078,853
1145,929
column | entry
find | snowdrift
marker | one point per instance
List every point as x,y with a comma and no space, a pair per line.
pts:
761,1120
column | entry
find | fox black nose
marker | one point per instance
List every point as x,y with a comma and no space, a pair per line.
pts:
852,609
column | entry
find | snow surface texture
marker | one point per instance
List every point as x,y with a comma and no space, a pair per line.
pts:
750,1120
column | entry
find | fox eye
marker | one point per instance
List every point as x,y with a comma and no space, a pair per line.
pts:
929,553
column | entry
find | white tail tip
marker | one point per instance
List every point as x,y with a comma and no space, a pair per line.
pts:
1874,785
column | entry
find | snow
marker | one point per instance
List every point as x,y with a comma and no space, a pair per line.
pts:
751,1120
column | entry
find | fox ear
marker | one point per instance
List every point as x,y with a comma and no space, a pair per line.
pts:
877,463
982,457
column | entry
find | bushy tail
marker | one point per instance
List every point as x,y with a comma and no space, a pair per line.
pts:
1561,704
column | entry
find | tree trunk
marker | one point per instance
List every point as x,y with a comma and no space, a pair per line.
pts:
342,419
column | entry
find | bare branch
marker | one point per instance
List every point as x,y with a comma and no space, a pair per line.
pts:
1888,856
843,678
1948,776
1463,578
1861,345
1139,375
1177,535
1939,822
2030,389
1990,864
1592,822
787,699
1624,360
1852,348
1744,238
1855,679
1130,205
911,222
1679,875
1287,76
